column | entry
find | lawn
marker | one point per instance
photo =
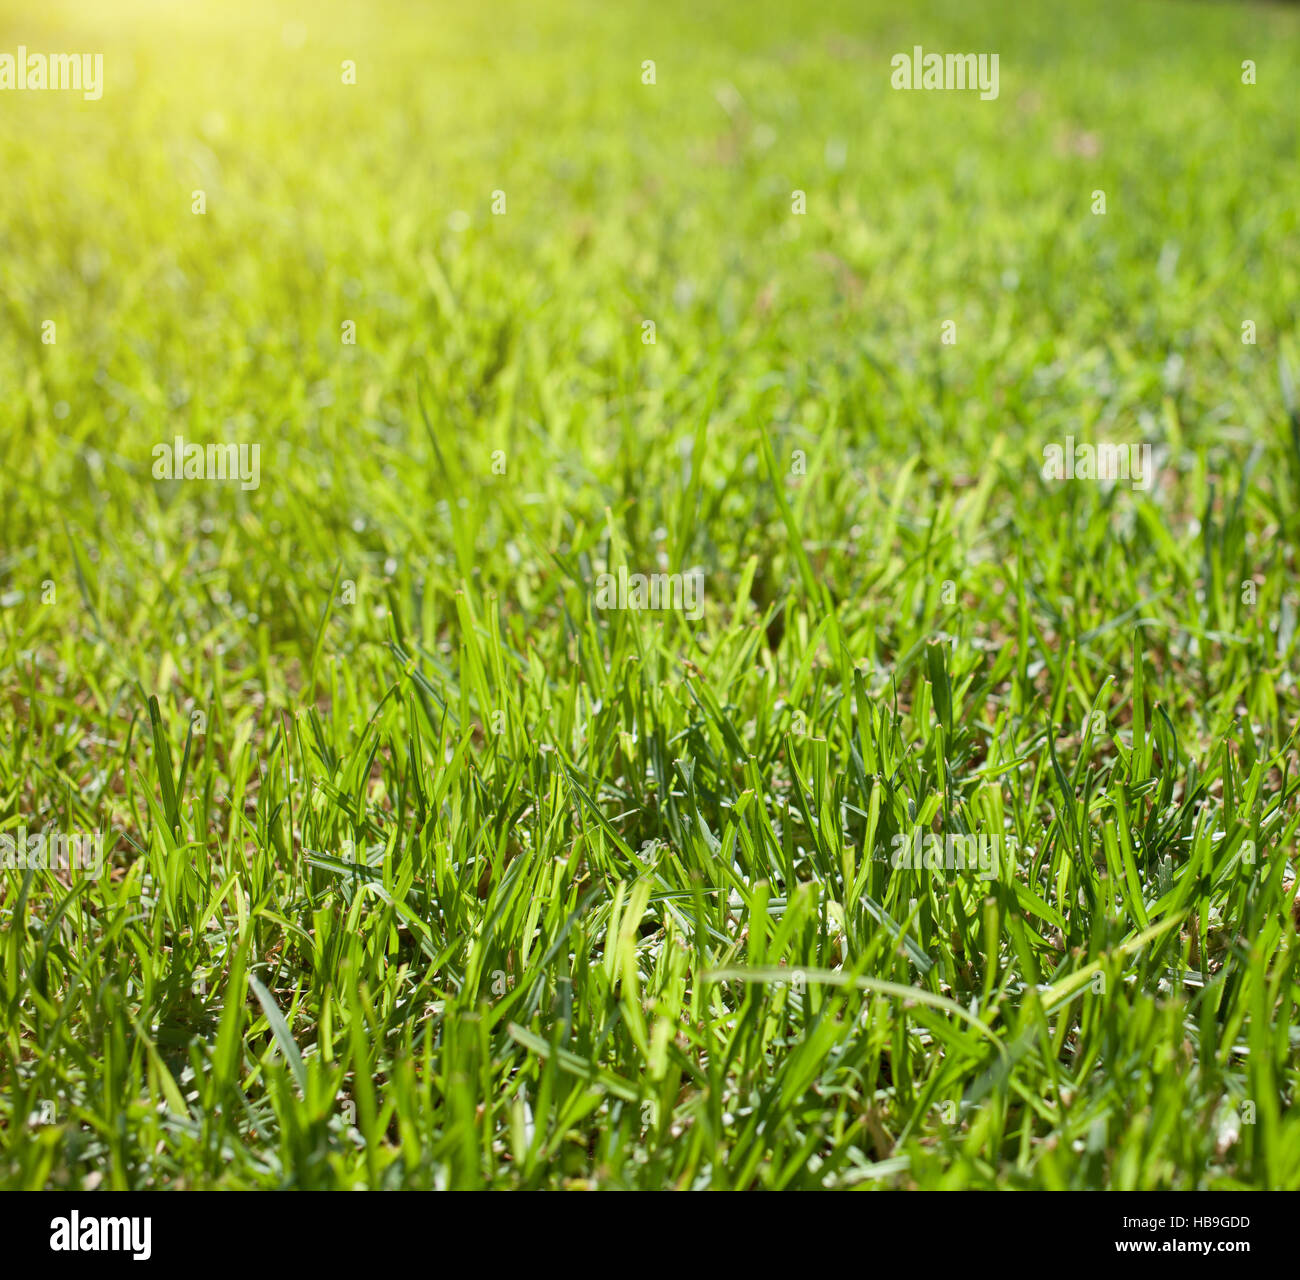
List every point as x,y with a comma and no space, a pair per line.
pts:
553,554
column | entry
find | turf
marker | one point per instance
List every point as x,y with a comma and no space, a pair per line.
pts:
423,869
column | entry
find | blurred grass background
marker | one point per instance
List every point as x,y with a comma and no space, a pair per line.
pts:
329,202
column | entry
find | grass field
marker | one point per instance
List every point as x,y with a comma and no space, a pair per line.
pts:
423,866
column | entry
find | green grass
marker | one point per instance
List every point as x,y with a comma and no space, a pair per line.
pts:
425,871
